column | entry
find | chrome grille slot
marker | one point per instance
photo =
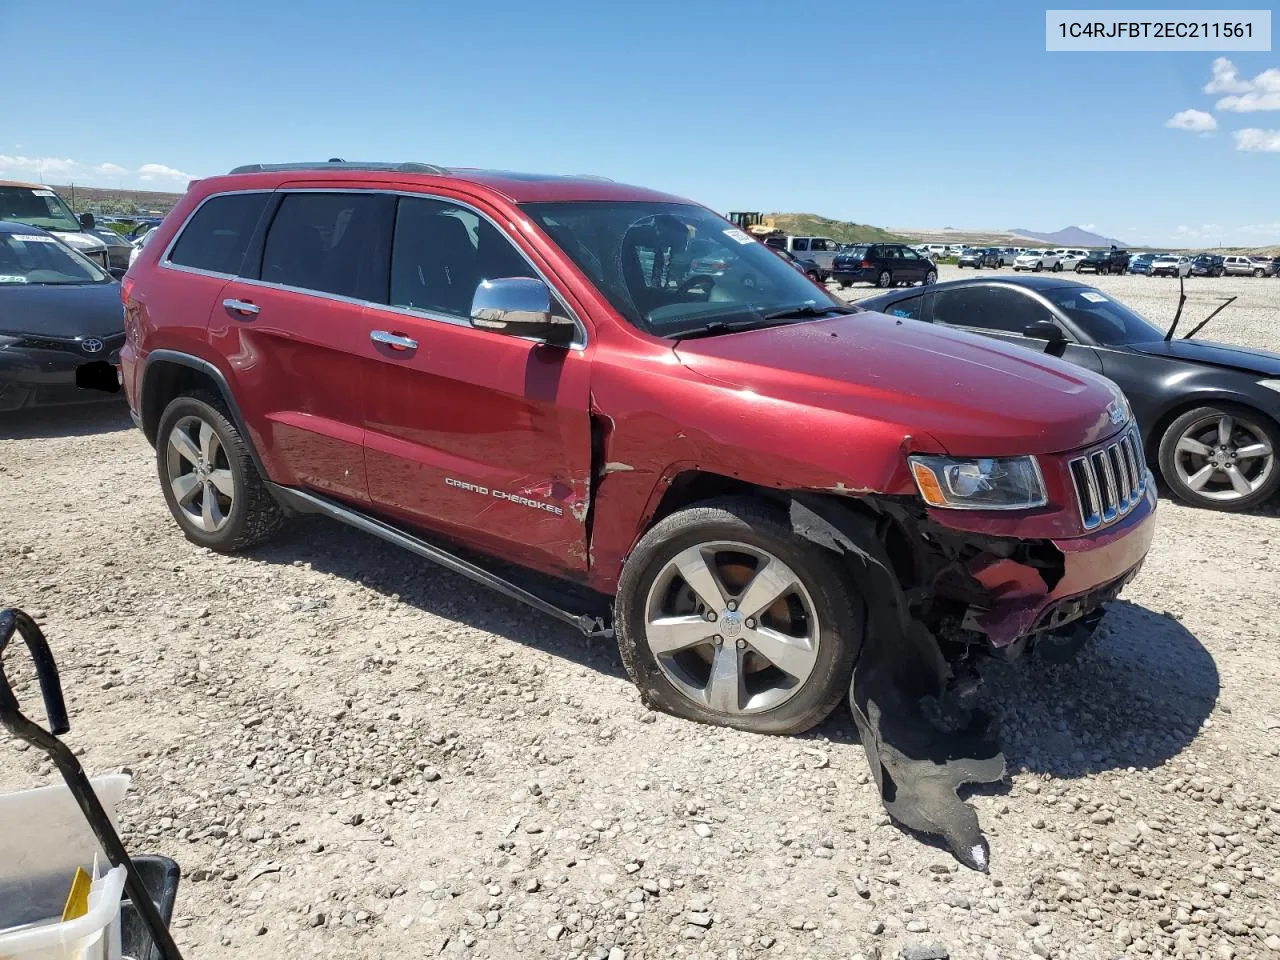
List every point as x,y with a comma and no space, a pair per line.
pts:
1110,480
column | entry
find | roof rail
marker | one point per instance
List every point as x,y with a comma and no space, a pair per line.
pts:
337,164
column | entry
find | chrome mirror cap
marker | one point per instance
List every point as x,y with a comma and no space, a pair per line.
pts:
517,305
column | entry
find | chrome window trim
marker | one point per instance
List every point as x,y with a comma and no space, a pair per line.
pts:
579,342
168,264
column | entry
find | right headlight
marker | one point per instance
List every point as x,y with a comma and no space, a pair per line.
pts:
984,483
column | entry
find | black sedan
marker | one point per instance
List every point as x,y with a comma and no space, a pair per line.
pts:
1209,412
61,323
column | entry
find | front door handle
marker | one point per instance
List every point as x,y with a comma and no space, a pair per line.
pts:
242,307
393,340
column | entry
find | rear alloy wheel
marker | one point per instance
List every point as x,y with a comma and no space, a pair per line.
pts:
1259,273
724,616
209,479
931,278
1223,458
885,279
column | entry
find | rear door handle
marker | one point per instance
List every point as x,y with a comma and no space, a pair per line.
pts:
393,340
243,307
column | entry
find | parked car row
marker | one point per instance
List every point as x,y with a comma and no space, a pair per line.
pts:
1204,265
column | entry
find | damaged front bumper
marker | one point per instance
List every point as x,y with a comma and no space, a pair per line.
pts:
1022,601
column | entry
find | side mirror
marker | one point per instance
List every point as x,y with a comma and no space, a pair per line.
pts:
521,307
87,221
1044,330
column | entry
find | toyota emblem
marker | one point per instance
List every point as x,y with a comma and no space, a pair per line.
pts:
92,345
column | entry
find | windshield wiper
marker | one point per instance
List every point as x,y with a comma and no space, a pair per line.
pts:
774,318
806,310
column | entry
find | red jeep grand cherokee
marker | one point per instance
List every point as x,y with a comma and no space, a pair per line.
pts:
542,370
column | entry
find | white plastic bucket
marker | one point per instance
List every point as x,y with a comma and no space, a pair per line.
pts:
43,839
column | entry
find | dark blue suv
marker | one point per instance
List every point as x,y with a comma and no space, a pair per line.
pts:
884,264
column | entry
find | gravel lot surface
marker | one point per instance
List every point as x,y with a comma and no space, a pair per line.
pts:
353,754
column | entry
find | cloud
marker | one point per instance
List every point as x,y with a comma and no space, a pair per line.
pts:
1246,96
38,166
1225,79
1257,141
1197,121
1250,102
158,171
66,170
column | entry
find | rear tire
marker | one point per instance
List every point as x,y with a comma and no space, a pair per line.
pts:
717,537
209,479
885,279
1259,273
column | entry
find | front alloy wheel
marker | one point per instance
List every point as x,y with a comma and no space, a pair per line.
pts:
724,616
931,278
1221,458
732,627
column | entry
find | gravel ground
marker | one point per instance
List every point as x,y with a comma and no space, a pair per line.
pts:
353,754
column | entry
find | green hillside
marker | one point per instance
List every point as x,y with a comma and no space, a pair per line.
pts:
812,225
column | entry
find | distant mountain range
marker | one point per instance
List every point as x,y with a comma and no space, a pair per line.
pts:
1068,237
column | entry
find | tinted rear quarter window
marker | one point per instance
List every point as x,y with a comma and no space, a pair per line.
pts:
217,236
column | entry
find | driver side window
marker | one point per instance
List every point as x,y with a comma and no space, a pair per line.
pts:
440,254
998,309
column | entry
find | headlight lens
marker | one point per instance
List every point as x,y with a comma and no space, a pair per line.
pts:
1270,384
1010,483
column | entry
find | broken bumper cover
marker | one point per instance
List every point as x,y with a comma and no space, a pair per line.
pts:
1096,568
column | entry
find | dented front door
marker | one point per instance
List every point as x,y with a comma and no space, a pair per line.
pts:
481,436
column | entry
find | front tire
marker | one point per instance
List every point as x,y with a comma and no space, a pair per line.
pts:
1057,267
1038,267
1221,457
931,278
787,619
208,477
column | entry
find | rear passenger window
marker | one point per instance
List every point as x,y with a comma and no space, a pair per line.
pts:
442,251
331,243
217,236
800,243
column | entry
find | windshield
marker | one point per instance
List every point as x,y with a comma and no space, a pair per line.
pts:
674,269
37,207
1102,318
40,259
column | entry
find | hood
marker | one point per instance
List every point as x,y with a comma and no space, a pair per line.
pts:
1219,354
975,396
78,240
72,310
